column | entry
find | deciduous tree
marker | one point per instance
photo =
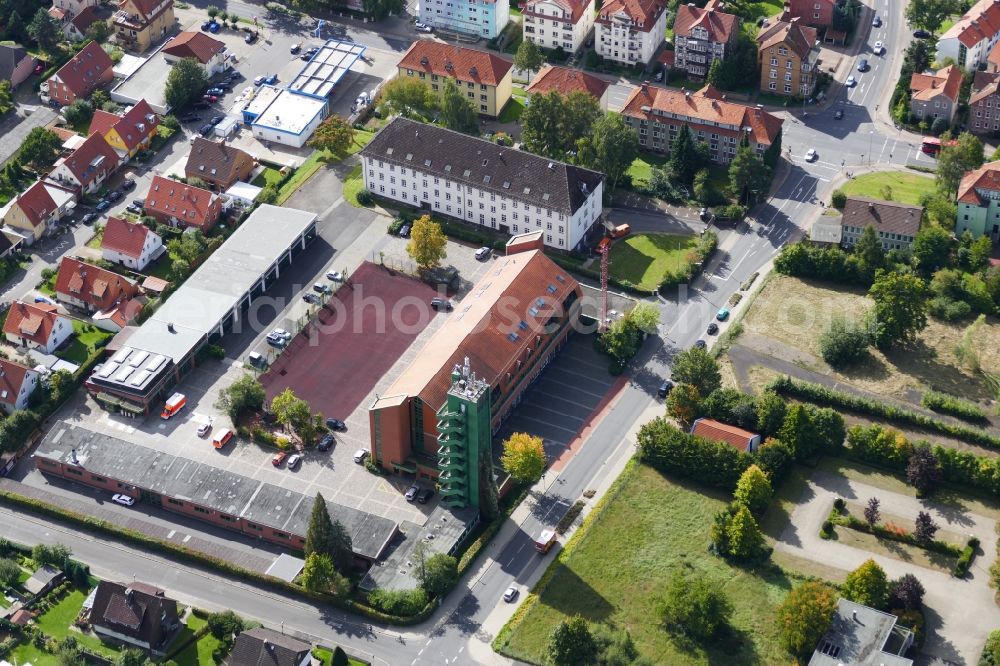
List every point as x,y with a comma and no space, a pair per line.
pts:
225,624
805,615
869,252
528,56
696,366
932,248
930,14
428,244
185,83
318,573
290,410
906,592
844,343
39,149
900,310
923,471
9,572
6,97
798,432
334,134
403,93
954,161
694,607
872,513
571,643
771,409
682,403
610,148
244,394
753,490
867,585
924,527
457,112
747,173
439,575
523,457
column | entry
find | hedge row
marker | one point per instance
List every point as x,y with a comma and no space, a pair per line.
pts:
827,396
882,532
948,404
669,449
965,559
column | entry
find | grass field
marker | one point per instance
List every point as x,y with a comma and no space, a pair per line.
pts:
267,177
644,259
512,112
82,343
906,187
796,312
57,622
316,160
642,167
199,652
617,568
353,184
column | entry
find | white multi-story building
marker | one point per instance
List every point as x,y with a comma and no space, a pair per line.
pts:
630,31
970,40
554,24
456,175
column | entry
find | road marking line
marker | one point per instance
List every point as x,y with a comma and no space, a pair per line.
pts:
187,537
170,535
428,643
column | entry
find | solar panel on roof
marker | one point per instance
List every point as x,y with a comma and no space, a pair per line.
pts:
123,374
140,378
136,359
108,368
121,355
155,363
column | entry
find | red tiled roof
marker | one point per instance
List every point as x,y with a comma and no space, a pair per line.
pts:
566,80
718,431
144,7
36,203
191,205
102,122
705,106
984,84
800,38
57,14
11,378
643,13
460,62
32,321
994,57
21,617
83,71
195,45
87,17
947,82
986,177
721,27
93,156
978,24
575,8
138,124
124,237
93,285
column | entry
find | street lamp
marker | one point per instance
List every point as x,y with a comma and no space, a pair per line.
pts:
871,137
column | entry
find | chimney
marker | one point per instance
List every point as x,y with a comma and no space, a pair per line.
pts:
72,456
854,615
170,327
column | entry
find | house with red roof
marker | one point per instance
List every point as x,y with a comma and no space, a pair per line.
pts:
486,78
17,382
128,244
971,38
138,23
75,26
127,133
557,24
90,287
979,202
179,205
33,211
702,36
815,13
630,31
788,55
83,74
935,95
87,167
565,80
210,52
36,326
984,103
717,431
657,113
74,7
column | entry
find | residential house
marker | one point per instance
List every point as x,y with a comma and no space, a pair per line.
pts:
74,7
36,326
129,132
630,31
485,19
788,57
128,244
970,39
557,24
860,635
16,64
135,613
218,163
139,23
935,95
33,211
210,52
17,382
174,203
266,647
815,13
71,28
979,202
717,431
702,36
45,577
486,79
479,182
897,224
88,70
87,167
81,22
984,104
656,114
92,288
565,80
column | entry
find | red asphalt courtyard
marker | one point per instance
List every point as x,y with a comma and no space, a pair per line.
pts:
362,331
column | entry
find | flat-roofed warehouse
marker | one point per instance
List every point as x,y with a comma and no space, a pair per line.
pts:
151,359
199,490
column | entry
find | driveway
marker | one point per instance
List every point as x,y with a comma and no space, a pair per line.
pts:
959,613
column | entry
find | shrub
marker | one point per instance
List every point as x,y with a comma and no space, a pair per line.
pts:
965,559
398,602
696,608
991,651
844,343
839,504
947,404
668,449
366,198
838,199
826,529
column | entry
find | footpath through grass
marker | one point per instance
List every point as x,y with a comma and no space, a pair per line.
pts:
645,259
906,187
616,570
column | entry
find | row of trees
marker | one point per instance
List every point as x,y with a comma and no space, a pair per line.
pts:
408,96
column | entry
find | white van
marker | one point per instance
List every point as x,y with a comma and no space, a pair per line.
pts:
256,360
360,455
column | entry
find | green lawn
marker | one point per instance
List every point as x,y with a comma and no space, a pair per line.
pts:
317,159
353,184
324,656
512,112
27,653
617,569
906,187
58,623
267,177
199,652
645,259
83,342
642,167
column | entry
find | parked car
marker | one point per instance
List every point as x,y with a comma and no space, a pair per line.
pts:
124,500
664,390
128,183
102,205
700,344
141,203
214,27
336,424
276,340
215,120
279,458
722,314
204,429
422,27
215,91
309,297
713,328
206,25
411,492
294,460
250,38
327,442
259,80
206,129
132,208
360,455
190,117
441,304
811,155
114,195
484,253
424,495
335,276
510,594
283,333
838,114
88,218
42,299
321,288
201,106
404,231
922,34
295,48
271,80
